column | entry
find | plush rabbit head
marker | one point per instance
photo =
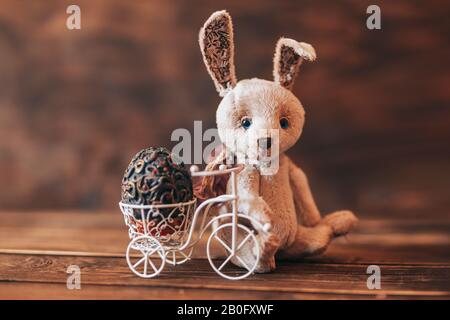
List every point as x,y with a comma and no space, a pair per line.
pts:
254,115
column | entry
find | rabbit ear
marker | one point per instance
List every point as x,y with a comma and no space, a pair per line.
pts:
216,44
289,55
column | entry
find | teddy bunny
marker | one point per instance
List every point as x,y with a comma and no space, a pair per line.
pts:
250,108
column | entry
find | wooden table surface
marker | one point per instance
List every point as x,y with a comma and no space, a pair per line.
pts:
36,248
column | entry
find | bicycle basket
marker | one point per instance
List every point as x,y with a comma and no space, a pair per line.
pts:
168,223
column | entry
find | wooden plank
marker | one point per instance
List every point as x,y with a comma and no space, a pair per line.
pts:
309,278
36,249
26,290
53,291
104,233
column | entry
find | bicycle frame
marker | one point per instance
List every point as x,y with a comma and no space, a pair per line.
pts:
171,244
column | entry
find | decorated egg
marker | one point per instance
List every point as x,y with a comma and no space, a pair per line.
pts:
154,177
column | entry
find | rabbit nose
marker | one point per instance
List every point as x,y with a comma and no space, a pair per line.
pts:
265,143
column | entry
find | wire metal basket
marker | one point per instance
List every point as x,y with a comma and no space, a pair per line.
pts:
168,223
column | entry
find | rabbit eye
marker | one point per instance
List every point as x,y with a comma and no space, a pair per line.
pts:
246,123
284,123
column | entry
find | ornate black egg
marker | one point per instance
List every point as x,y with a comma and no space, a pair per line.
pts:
155,176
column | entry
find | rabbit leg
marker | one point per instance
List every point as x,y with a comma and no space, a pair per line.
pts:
314,233
267,242
307,211
310,241
341,222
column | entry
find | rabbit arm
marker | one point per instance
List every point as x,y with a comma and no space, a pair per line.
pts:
307,211
252,204
248,182
249,195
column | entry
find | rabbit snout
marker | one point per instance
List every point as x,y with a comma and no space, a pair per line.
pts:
265,143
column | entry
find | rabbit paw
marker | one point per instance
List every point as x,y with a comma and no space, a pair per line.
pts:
268,247
265,266
341,222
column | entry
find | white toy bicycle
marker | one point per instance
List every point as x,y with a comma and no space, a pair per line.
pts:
171,239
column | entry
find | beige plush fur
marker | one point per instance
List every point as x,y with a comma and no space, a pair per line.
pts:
282,199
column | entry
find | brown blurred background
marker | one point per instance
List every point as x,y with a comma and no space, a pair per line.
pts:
75,106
